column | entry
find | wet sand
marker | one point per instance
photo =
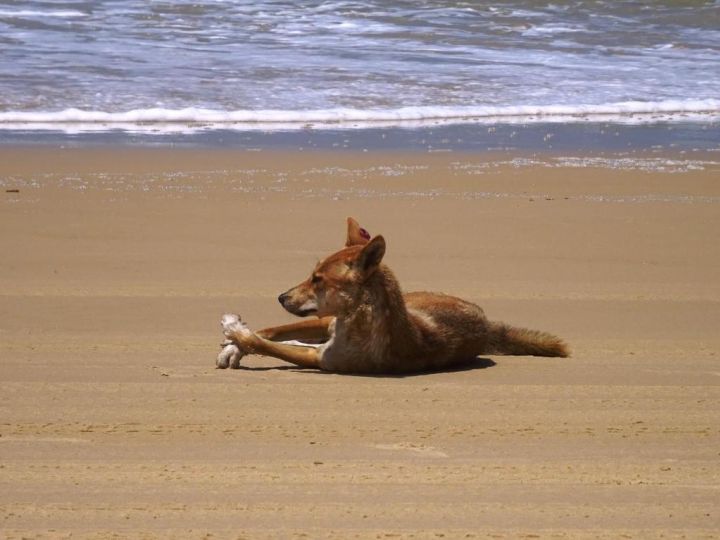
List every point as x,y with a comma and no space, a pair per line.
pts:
117,264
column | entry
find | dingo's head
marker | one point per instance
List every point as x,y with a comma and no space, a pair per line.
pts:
333,284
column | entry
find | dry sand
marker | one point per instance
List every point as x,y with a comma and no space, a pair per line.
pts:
117,264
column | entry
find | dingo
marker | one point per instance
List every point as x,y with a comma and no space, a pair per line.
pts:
366,324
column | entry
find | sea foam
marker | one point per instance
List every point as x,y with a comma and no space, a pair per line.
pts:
25,13
629,112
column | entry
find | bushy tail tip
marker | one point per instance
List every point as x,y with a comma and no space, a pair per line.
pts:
506,339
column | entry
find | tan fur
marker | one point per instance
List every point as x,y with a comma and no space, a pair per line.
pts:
371,327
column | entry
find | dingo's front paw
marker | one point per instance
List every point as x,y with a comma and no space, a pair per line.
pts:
238,331
229,356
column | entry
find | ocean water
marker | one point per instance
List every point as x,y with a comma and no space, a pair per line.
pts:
283,65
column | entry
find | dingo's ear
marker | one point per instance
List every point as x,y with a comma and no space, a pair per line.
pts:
356,235
371,255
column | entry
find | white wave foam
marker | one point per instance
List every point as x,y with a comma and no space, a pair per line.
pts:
546,29
63,13
631,112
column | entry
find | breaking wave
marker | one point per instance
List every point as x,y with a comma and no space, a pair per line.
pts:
629,112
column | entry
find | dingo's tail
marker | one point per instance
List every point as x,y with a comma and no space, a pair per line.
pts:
506,339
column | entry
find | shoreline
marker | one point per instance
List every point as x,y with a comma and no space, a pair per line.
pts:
496,137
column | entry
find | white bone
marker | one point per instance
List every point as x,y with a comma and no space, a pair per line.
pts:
231,323
229,356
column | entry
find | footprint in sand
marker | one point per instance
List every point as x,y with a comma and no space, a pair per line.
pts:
427,451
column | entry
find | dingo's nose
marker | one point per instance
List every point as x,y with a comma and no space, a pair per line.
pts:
282,298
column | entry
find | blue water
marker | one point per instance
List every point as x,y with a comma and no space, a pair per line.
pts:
128,63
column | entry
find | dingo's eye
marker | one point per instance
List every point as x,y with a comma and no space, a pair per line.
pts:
316,279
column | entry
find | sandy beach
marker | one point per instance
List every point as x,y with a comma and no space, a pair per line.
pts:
118,263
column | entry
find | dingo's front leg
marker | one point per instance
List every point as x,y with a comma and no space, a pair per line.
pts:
249,342
316,330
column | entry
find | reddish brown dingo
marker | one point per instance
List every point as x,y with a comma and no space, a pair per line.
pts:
366,325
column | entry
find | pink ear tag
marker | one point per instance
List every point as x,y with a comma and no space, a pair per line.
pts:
364,234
